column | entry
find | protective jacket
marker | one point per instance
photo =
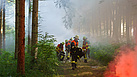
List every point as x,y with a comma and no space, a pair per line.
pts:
66,46
59,48
60,52
85,46
76,53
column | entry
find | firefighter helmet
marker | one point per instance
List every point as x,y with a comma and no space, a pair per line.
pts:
84,38
66,40
62,43
77,36
71,38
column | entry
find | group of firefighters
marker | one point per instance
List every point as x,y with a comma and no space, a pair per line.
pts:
73,50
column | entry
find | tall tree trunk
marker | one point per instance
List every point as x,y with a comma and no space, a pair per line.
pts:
21,53
104,26
110,18
34,39
100,30
123,26
16,29
4,25
29,17
1,25
135,29
115,24
127,30
119,19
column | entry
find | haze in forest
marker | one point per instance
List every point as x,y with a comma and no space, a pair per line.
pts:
106,20
52,21
98,20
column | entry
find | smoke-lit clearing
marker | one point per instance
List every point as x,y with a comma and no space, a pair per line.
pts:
124,65
53,22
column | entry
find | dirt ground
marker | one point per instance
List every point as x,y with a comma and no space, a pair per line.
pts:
90,69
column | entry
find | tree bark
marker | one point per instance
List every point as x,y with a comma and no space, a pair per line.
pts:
99,23
135,29
123,26
127,30
21,53
4,25
34,39
16,28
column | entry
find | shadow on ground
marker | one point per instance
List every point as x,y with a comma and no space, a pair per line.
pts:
90,69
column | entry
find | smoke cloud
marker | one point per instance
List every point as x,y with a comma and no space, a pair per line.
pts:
124,65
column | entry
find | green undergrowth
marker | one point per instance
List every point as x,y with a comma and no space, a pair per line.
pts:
104,53
45,65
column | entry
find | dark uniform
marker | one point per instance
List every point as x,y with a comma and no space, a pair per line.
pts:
60,52
66,49
74,45
69,47
69,44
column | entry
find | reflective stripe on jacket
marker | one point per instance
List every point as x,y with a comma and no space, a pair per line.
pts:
59,47
85,45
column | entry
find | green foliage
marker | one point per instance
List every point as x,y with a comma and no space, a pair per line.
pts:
46,63
104,53
29,71
47,60
8,65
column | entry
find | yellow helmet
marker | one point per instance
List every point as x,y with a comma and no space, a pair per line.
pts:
71,38
62,43
84,37
77,36
66,40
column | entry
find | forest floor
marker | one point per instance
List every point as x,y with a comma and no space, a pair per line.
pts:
90,69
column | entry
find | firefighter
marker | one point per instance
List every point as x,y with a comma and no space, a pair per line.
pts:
85,48
88,50
74,45
66,49
60,51
69,47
